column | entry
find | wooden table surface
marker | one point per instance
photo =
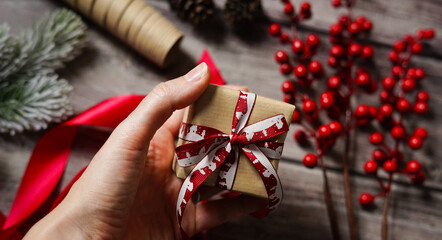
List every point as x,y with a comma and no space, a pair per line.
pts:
108,68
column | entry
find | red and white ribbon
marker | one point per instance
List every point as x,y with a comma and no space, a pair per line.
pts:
210,149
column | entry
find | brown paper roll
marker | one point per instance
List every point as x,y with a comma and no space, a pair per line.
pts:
164,36
115,13
99,11
136,23
127,19
85,6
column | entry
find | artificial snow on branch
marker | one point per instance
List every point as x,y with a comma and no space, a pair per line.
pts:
31,93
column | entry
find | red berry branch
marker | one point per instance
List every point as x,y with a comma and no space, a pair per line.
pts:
301,72
333,117
398,93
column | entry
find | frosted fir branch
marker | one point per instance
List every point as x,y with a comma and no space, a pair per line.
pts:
31,93
32,104
53,40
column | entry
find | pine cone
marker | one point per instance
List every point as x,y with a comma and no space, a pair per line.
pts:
240,12
195,11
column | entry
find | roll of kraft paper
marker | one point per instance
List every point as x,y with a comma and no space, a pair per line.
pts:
136,23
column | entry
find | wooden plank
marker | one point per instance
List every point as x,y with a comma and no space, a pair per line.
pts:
108,68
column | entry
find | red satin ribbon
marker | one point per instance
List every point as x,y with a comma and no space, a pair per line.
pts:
51,153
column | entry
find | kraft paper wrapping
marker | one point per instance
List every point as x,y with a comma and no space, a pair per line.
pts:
136,23
215,109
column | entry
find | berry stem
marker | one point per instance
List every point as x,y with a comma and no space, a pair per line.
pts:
350,216
329,203
385,212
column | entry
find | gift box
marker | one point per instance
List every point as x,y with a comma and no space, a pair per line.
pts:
215,109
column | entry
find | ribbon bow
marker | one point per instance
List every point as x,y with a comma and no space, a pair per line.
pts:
210,149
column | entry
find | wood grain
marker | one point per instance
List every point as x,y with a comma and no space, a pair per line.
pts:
108,67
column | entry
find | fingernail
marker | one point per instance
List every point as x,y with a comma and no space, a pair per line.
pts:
196,73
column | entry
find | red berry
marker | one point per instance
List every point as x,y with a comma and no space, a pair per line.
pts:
310,160
300,137
315,67
398,132
281,56
309,106
285,68
420,132
416,48
275,29
354,49
334,82
367,26
385,96
411,73
396,71
336,51
408,85
413,166
288,87
367,52
429,33
403,105
388,83
370,167
366,199
390,166
296,117
288,98
336,3
298,46
313,40
376,138
415,142
336,127
344,19
393,56
386,110
327,99
418,178
354,28
361,111
288,9
379,155
284,38
422,96
301,71
421,107
360,19
363,79
420,73
333,62
325,131
373,111
305,7
399,46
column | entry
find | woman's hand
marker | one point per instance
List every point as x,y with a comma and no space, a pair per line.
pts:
129,191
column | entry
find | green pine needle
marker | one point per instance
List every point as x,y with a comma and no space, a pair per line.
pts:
31,93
